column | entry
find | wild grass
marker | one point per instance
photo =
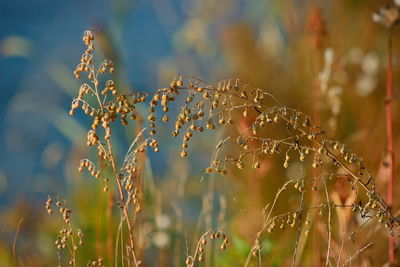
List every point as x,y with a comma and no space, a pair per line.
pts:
228,104
279,188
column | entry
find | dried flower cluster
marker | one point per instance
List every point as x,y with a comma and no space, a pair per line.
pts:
97,262
199,251
67,236
231,99
208,106
387,15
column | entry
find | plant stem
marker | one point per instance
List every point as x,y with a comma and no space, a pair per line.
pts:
123,202
389,132
14,247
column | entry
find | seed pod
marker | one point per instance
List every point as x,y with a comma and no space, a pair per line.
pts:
286,164
239,165
201,258
256,165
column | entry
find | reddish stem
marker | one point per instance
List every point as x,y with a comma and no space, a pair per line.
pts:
389,130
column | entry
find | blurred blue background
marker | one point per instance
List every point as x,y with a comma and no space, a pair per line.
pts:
40,44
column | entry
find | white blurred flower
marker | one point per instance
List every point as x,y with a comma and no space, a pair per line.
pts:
328,55
325,74
397,2
365,85
334,94
163,221
161,239
376,18
370,63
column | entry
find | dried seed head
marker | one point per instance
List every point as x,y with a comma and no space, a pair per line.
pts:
256,165
239,165
285,164
386,16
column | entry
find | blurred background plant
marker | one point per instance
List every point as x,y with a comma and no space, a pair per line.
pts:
325,58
